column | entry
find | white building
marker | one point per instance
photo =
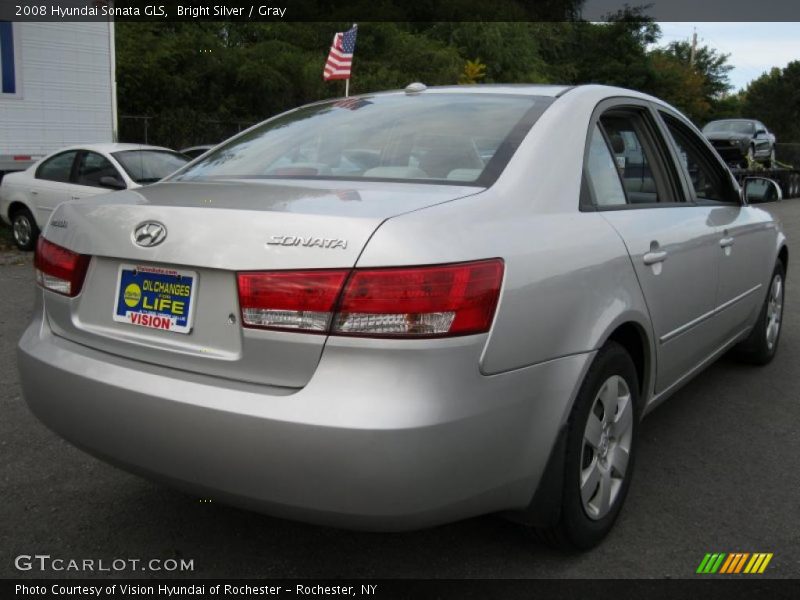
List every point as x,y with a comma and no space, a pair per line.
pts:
57,88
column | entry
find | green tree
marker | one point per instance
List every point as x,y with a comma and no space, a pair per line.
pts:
511,50
711,64
613,53
774,98
676,82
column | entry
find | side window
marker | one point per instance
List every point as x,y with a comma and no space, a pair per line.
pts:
706,176
58,168
92,167
631,156
602,172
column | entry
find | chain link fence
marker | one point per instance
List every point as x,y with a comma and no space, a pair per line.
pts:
177,133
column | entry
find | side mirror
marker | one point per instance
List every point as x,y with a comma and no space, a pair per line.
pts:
112,182
761,189
761,133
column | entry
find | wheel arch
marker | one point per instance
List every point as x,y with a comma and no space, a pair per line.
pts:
16,205
783,256
630,332
632,336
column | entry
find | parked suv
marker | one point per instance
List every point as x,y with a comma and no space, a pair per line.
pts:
741,141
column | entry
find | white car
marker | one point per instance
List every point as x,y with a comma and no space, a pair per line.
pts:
28,198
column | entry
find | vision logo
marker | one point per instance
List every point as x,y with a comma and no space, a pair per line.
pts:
734,563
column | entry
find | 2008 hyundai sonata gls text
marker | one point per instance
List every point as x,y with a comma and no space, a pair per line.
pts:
403,309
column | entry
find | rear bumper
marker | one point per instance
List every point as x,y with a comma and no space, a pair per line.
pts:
367,444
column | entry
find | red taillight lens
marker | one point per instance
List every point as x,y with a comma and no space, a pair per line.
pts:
293,300
58,269
441,300
420,301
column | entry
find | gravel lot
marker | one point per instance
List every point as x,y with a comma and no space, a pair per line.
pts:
715,472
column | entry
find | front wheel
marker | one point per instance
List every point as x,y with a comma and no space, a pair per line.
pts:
601,444
751,156
762,343
24,229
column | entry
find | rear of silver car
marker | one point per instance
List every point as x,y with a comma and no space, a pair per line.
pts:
374,432
228,337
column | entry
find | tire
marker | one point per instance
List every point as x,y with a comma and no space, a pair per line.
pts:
761,345
24,229
595,466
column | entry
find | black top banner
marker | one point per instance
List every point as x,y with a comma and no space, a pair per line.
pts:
397,10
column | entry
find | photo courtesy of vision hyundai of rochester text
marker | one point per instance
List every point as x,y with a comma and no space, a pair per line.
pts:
403,309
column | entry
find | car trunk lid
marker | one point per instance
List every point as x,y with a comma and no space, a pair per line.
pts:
214,230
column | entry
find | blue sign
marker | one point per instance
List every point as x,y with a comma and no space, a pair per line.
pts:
155,298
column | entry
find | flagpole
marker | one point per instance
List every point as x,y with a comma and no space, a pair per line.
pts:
347,81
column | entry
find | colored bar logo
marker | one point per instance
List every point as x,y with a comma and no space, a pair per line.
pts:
734,563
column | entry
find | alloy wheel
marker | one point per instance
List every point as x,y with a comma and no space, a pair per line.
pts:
774,310
606,447
22,230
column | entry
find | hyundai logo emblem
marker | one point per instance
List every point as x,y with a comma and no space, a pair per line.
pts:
149,234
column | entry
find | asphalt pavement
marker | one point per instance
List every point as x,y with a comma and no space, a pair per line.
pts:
716,472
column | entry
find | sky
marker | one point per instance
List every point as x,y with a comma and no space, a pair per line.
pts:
754,47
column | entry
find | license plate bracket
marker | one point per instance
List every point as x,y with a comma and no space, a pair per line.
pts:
155,297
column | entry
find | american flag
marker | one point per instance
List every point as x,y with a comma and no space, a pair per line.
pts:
352,103
340,58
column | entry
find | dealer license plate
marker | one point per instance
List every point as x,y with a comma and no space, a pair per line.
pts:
155,297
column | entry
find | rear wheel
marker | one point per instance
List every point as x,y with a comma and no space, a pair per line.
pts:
24,229
762,343
601,443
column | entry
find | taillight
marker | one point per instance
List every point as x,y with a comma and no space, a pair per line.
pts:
420,301
58,269
294,300
430,301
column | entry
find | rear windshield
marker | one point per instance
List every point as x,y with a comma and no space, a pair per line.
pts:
149,166
443,138
729,127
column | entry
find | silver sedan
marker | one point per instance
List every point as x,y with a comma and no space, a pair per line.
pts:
402,309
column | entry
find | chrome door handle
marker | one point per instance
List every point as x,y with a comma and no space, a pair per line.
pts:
726,242
75,197
652,258
34,193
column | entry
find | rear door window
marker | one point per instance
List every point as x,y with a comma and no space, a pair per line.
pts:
57,168
709,180
92,167
631,158
627,163
601,170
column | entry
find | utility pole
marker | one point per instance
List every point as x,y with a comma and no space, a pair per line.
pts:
694,48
